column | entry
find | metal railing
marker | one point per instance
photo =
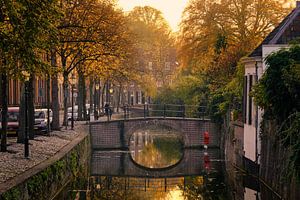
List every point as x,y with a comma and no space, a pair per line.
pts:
160,110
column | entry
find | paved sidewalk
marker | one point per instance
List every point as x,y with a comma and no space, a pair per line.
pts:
13,163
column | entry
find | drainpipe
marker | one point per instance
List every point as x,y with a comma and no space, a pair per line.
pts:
256,118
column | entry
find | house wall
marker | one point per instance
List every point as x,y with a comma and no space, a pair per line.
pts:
252,115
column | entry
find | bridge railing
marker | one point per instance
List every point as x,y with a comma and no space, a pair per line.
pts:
162,110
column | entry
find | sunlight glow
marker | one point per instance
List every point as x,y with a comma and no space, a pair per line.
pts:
171,9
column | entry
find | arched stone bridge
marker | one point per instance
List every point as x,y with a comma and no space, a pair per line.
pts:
116,134
117,163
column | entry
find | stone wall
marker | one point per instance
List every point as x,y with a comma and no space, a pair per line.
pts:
47,179
116,134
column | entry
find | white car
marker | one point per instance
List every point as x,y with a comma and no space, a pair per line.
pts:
75,113
41,119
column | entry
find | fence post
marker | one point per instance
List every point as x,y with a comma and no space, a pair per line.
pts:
124,108
183,111
147,110
164,110
144,110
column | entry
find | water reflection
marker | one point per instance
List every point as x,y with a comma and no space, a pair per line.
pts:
156,148
200,174
178,188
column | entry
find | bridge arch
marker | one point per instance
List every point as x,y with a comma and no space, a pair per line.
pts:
144,124
116,134
117,163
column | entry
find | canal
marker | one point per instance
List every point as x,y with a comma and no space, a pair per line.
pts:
157,166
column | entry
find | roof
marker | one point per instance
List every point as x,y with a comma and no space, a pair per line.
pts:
275,37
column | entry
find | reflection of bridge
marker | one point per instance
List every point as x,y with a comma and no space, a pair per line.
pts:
116,134
118,163
142,184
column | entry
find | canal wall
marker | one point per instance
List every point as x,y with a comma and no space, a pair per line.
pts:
274,165
116,134
47,179
273,168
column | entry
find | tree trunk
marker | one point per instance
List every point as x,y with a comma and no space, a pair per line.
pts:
21,131
81,94
4,112
102,98
31,107
91,94
84,98
66,92
48,105
119,96
55,101
95,99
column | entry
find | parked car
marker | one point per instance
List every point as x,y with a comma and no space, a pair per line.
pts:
75,112
41,119
12,120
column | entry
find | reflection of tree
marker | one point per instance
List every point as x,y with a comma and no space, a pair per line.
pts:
212,188
163,152
117,188
170,147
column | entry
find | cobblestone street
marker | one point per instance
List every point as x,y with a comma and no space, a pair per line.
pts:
13,163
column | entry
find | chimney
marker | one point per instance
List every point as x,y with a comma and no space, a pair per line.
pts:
297,4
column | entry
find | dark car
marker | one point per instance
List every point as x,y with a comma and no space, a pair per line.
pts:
12,120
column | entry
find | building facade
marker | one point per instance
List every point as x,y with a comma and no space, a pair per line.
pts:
287,31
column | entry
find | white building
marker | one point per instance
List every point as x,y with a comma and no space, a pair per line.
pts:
286,31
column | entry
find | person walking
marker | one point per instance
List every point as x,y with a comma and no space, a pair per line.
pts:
107,111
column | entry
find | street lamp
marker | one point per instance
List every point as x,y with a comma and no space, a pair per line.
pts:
96,100
26,139
131,98
111,90
72,100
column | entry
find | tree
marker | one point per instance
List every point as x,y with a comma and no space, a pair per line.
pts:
152,47
25,31
277,93
91,31
215,35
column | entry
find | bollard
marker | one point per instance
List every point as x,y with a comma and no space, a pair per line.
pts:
206,139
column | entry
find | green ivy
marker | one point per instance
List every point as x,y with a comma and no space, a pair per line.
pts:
12,194
278,93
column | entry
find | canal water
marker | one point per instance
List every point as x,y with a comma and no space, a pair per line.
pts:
158,167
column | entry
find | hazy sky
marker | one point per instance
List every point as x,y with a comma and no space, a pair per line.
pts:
171,9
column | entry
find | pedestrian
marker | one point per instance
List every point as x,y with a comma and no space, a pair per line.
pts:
106,109
110,112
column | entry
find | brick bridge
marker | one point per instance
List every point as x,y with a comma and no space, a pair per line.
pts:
118,163
116,134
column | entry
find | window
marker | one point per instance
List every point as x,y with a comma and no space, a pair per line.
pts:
245,99
250,100
150,65
167,66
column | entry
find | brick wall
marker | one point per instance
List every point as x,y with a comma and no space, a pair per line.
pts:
116,134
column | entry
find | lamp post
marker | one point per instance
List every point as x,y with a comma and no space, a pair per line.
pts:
96,100
72,101
26,139
111,90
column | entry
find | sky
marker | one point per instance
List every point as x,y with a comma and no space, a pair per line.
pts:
171,9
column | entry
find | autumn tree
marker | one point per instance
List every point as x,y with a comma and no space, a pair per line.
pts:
25,31
215,34
89,31
152,47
